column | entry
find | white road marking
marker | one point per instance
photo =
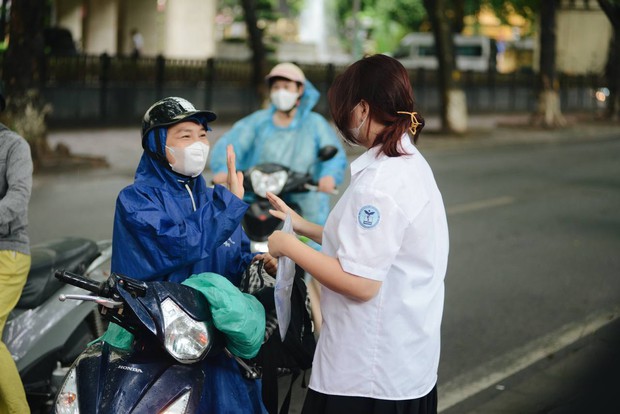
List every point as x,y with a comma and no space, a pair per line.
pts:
480,205
498,369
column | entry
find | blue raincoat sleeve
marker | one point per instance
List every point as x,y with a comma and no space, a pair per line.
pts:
242,136
151,243
325,134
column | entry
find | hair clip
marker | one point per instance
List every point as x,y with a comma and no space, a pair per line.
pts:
414,121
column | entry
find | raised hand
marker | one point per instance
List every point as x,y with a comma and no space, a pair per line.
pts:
235,178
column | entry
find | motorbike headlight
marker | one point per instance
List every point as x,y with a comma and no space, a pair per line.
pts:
67,398
272,182
179,405
185,339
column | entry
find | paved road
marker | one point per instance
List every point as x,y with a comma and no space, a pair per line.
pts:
534,223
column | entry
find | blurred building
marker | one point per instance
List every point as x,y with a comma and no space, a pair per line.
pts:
583,33
175,29
583,36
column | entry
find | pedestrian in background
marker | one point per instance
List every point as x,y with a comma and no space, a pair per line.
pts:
384,256
137,43
15,189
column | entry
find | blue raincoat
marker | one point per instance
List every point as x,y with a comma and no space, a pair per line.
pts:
257,140
160,236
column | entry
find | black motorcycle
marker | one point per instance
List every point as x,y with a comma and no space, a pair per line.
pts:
162,372
44,335
281,181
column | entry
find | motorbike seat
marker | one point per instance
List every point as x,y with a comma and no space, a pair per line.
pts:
68,253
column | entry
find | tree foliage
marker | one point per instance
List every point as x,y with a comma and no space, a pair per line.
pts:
266,10
503,8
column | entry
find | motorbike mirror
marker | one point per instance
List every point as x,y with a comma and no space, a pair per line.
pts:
327,153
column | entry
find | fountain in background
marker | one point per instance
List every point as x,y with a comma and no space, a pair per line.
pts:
318,40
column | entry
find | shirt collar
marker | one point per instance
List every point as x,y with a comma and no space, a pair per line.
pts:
371,155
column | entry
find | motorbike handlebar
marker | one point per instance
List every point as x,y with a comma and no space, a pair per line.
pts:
79,281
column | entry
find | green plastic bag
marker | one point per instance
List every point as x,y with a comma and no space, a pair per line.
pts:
240,316
118,337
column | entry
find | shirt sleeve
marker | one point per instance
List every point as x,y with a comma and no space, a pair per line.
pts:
19,182
370,233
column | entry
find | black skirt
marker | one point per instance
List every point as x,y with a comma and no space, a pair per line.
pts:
318,403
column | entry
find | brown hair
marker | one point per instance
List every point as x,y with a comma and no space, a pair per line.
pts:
384,84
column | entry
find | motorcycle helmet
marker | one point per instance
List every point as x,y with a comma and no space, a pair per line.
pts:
170,111
288,71
165,113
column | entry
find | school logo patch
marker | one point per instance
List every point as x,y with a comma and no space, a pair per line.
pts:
368,217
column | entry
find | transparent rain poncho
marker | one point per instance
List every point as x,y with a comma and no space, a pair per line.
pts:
285,276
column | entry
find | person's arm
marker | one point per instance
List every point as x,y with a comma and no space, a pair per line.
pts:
270,263
327,270
19,182
241,137
336,166
301,226
150,238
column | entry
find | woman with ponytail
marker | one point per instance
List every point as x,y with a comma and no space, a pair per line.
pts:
384,255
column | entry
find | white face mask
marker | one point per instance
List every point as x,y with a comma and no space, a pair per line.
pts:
284,100
356,131
191,160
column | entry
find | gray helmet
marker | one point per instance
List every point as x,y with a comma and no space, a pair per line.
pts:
170,111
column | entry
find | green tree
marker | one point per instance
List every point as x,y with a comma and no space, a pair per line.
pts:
256,15
446,18
257,45
612,69
453,112
389,20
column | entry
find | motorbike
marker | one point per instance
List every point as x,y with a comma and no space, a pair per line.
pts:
281,181
44,335
173,332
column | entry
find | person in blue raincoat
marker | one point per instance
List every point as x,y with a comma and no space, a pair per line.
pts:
169,225
287,133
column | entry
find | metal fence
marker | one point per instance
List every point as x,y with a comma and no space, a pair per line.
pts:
86,90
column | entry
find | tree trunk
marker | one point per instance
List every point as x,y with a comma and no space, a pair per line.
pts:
612,68
548,112
453,102
23,76
258,49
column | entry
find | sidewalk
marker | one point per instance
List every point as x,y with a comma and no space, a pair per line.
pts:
509,129
123,143
581,378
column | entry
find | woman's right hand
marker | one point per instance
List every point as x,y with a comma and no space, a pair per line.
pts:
234,177
281,209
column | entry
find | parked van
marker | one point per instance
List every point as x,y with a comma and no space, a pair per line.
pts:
475,53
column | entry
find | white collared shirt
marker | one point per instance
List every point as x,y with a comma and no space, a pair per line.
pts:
389,225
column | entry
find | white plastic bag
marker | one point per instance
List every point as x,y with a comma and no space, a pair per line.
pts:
285,276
